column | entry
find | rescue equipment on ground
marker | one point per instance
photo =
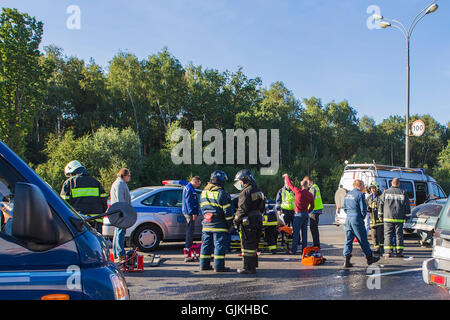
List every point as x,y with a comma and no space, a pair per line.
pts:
194,251
133,262
311,256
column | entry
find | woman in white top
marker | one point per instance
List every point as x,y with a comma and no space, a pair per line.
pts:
120,193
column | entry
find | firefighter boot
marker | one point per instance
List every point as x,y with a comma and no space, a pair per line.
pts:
250,264
372,259
187,258
347,263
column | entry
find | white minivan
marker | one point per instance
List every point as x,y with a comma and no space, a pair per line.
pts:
419,186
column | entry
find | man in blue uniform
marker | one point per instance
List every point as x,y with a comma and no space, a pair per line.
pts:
190,209
356,209
217,222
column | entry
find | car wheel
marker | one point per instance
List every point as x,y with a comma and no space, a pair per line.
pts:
147,237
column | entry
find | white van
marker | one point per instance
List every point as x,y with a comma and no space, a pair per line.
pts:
419,186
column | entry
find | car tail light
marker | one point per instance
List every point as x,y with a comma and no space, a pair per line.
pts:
437,279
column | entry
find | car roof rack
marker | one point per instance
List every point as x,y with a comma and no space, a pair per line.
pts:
376,167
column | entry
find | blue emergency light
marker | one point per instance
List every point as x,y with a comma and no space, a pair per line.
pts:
175,182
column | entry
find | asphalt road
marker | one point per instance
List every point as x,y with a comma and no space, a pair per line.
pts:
283,277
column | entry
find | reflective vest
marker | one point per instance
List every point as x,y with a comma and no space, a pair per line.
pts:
287,200
318,205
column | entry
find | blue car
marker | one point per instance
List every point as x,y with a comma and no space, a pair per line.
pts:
47,250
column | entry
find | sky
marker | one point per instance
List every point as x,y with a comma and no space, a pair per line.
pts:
321,48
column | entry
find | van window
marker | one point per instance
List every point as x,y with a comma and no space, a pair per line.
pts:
421,192
8,179
444,219
407,186
382,183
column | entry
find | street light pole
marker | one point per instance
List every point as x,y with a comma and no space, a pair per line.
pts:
407,33
408,92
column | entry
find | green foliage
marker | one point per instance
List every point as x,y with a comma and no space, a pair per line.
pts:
102,153
20,76
442,170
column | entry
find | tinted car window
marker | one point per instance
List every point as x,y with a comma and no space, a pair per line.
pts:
444,219
169,198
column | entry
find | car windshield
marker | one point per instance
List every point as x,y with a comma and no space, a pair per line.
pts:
444,218
138,192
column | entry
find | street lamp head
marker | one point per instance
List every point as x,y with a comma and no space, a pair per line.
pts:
384,24
377,17
432,8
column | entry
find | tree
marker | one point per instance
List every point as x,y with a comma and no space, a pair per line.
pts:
21,79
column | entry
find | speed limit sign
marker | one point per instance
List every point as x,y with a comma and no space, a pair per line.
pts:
418,128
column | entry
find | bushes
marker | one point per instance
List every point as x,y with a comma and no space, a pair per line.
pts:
103,153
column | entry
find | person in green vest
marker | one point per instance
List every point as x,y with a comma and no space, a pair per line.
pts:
314,215
284,205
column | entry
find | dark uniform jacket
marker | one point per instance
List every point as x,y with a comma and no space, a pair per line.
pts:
85,194
373,203
251,202
394,205
216,208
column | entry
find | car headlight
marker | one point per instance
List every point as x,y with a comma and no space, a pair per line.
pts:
120,287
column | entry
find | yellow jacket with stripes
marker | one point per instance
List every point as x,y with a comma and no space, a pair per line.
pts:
215,204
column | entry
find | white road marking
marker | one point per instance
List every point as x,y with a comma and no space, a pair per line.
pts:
396,272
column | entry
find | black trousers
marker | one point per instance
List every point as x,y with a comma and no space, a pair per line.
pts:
249,242
377,237
270,236
314,227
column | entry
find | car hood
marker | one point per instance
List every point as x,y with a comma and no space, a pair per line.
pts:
428,210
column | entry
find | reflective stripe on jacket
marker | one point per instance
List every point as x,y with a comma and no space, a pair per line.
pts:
216,201
85,194
394,205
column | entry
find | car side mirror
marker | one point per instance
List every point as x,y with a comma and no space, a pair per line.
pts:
33,220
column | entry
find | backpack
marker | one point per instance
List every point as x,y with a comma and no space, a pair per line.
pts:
311,256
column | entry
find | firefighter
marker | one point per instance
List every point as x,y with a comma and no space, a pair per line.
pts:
84,193
285,205
248,217
270,223
394,207
376,222
217,221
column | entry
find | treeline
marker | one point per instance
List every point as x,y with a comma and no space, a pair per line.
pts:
56,108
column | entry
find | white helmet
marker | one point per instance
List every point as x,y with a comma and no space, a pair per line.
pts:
72,166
